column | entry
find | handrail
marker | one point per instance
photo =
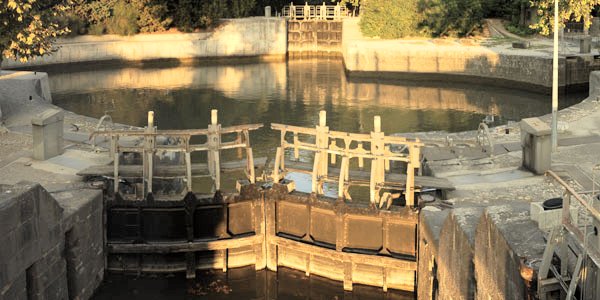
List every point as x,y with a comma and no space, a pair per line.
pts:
326,150
558,242
213,146
314,12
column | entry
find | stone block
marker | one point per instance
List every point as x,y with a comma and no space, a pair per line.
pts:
585,45
506,238
47,134
548,219
536,144
456,272
430,226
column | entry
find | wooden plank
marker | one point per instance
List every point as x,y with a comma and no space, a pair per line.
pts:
167,171
316,251
393,178
178,247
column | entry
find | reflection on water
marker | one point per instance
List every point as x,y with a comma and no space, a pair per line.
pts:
287,92
290,92
241,283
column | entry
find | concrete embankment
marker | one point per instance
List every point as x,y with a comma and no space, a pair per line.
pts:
250,37
51,233
493,62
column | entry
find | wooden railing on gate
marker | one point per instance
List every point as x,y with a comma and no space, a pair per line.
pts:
213,146
325,145
314,12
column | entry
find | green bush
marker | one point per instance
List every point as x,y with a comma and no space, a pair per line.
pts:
240,8
390,19
153,15
452,17
123,20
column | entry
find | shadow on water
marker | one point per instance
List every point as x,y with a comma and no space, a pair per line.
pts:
240,283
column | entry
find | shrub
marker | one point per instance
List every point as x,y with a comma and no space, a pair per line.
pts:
390,19
97,29
451,17
153,15
240,8
123,20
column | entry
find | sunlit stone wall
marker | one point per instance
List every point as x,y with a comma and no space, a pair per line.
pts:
247,37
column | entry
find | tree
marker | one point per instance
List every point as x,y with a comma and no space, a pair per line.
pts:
390,19
28,28
576,10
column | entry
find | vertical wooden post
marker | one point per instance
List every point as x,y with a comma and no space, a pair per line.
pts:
249,158
413,163
315,174
260,250
115,150
214,142
377,164
283,146
296,150
150,140
276,176
271,232
321,157
344,170
361,160
188,167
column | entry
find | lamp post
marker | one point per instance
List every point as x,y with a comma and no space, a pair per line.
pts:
555,81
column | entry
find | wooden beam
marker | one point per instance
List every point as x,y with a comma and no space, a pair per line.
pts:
178,247
167,170
391,178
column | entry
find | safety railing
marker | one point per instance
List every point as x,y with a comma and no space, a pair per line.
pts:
314,12
182,143
375,147
559,243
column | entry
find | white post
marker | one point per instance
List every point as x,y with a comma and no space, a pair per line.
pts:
555,81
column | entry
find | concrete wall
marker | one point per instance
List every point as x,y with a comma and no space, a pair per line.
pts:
236,37
457,249
49,249
405,59
477,253
506,238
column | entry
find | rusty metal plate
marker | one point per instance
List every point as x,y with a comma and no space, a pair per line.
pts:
292,218
364,232
402,239
241,218
323,225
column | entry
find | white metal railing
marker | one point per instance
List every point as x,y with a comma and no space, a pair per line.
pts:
314,12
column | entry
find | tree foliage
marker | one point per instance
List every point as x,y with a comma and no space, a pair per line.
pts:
452,17
390,19
575,10
28,27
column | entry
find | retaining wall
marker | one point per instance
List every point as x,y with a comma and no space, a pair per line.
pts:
50,248
422,59
479,253
249,37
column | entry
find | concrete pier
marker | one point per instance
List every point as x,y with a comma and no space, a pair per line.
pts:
51,246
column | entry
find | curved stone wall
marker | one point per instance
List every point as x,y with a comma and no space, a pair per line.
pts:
424,59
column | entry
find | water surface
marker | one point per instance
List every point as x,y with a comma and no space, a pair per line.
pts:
291,92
